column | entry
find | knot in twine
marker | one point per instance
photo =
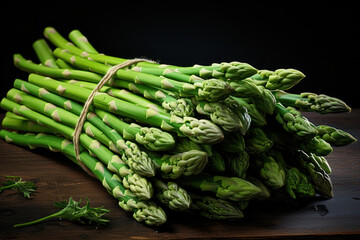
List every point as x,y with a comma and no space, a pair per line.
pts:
82,117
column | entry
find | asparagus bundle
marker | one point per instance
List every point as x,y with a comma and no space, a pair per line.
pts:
156,133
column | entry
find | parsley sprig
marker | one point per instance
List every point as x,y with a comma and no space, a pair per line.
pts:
16,182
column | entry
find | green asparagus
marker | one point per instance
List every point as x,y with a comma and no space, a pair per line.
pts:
202,130
281,79
143,211
312,102
158,131
231,188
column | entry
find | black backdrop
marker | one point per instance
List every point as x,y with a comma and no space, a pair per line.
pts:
321,40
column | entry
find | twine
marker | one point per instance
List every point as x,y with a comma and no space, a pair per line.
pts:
82,117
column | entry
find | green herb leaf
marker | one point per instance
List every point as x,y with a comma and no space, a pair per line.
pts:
16,182
72,211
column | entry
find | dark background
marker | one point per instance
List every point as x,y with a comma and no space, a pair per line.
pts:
321,40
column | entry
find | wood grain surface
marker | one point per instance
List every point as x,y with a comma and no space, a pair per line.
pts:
58,179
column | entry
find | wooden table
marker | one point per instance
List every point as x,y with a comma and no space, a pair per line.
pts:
58,179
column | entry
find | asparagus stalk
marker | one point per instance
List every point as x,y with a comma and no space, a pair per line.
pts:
153,139
320,179
293,122
237,164
230,188
281,79
143,211
169,73
215,163
64,65
257,142
26,65
270,171
257,118
297,184
265,101
242,88
136,160
211,90
245,88
173,166
179,107
312,102
44,53
12,122
141,187
172,195
216,208
202,131
81,41
120,94
336,137
233,143
232,70
219,114
175,105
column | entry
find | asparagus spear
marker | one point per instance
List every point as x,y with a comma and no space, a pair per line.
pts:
216,208
293,122
153,139
265,101
242,88
237,164
245,88
257,118
138,161
202,131
320,179
257,142
143,211
215,163
232,70
336,137
281,79
297,184
231,188
44,53
22,124
317,146
121,94
61,115
186,163
211,90
312,102
233,143
220,114
178,106
172,195
81,41
26,65
270,171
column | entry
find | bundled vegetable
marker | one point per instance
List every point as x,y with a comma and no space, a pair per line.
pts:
156,133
